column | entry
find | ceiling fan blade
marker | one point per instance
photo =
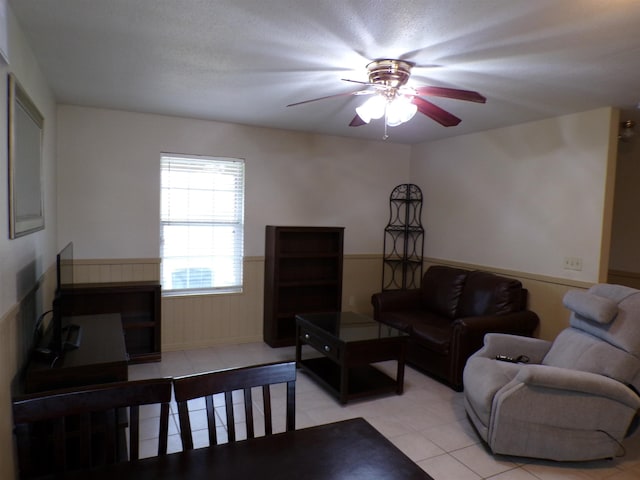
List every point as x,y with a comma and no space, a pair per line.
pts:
428,65
436,113
357,92
376,86
357,122
358,81
455,93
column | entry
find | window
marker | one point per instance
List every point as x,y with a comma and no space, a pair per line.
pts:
202,223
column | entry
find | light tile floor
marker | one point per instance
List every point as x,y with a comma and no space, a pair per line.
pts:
427,422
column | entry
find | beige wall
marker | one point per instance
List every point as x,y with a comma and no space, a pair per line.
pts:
542,186
110,160
25,288
523,197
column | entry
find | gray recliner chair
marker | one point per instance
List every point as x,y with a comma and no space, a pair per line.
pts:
575,398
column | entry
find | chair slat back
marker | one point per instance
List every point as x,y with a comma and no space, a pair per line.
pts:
206,385
78,428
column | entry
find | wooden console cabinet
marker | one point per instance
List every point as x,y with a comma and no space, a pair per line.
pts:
100,358
303,274
138,304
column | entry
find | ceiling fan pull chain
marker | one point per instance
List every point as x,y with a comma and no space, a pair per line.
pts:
386,135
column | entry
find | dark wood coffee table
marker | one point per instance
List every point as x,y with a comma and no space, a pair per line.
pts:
349,344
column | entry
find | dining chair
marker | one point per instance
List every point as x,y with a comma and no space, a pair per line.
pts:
79,428
206,385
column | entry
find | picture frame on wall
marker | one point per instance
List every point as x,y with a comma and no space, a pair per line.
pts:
26,125
4,35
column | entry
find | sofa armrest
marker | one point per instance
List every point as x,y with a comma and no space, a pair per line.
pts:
513,346
469,332
468,335
394,300
564,379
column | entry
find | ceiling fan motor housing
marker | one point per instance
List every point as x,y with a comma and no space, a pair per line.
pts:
389,72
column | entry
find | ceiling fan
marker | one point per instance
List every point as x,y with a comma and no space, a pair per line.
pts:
397,102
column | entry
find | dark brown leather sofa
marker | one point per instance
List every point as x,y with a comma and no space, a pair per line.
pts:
448,316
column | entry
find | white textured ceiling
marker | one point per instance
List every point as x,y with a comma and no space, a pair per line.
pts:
243,61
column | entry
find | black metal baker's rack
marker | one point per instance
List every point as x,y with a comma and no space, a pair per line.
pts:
403,239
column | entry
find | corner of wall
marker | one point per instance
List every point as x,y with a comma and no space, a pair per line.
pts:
609,193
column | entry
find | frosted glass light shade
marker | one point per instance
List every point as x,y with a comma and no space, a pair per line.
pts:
400,110
372,109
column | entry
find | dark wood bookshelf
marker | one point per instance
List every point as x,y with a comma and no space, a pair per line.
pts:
303,274
138,304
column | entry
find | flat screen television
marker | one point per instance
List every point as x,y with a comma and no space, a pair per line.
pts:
64,267
64,336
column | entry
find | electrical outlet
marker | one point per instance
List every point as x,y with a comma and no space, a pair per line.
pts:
573,263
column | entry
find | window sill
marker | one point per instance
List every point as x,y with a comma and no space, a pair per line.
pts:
202,292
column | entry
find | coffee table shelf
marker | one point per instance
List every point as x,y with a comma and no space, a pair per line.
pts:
364,380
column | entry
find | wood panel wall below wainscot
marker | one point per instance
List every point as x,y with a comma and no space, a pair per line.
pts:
201,321
101,270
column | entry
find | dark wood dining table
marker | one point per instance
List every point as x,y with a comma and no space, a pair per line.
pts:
350,449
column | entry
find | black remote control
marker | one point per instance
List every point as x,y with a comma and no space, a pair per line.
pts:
505,358
520,359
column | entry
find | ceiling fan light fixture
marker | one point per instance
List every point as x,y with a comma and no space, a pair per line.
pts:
400,110
373,108
391,75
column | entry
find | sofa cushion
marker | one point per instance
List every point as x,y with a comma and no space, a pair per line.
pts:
485,293
441,289
406,320
400,319
435,332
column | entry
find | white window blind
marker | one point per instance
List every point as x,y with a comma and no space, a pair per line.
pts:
202,223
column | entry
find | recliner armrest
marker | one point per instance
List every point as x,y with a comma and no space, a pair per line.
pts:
396,300
545,376
513,346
